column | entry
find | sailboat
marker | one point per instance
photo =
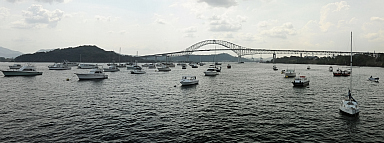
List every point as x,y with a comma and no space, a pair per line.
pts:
349,105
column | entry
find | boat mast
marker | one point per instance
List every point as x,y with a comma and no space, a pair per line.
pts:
351,66
119,55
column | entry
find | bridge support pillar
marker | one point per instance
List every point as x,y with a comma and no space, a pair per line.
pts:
274,57
238,58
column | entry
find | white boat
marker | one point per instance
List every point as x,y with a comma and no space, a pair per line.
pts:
27,70
59,66
330,69
133,67
87,66
376,79
184,66
111,68
95,73
194,66
211,71
138,71
15,66
290,73
349,105
274,67
151,66
163,68
301,81
189,80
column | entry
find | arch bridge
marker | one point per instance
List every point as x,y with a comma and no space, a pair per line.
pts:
242,51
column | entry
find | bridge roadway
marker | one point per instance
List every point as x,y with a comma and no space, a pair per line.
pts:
242,51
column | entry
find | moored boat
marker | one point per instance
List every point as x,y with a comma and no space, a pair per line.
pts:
229,66
164,68
138,71
330,68
290,73
340,72
95,73
27,70
15,66
376,79
274,67
111,68
189,80
59,66
87,66
301,81
211,71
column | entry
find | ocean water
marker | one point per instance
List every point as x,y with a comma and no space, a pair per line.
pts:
247,103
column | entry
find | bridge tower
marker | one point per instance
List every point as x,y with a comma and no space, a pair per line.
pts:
274,57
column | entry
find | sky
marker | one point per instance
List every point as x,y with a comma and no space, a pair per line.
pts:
160,26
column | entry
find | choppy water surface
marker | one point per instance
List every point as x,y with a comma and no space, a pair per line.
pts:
248,103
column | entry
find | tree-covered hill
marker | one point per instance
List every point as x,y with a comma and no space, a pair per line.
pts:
86,53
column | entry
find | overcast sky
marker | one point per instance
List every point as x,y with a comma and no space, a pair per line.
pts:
159,26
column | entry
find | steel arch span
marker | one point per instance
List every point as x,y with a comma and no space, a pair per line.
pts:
239,50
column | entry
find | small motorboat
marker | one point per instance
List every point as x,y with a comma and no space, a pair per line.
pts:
301,81
308,67
189,80
95,73
138,71
274,68
229,66
375,79
87,66
59,66
27,70
330,68
133,67
151,66
194,66
111,68
15,66
145,65
282,71
184,66
211,71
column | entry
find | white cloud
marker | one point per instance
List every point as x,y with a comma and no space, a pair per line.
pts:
14,1
249,37
4,12
377,19
329,10
220,3
38,17
191,29
103,18
280,31
223,23
50,1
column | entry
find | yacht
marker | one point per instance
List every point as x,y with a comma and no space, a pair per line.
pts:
301,81
15,66
95,73
376,79
87,66
349,105
27,70
59,66
163,68
189,80
111,68
290,73
211,71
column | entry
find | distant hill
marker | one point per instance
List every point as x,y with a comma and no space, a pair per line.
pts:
7,53
86,53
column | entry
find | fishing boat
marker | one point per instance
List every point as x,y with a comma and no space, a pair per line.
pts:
290,73
375,79
301,81
96,73
59,66
211,71
111,68
349,105
27,70
15,66
340,72
189,80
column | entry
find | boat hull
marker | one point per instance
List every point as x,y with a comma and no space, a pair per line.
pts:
138,72
185,83
164,69
300,84
207,73
111,70
290,74
21,73
59,68
91,76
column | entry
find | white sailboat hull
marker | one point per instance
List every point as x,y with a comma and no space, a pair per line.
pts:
91,76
